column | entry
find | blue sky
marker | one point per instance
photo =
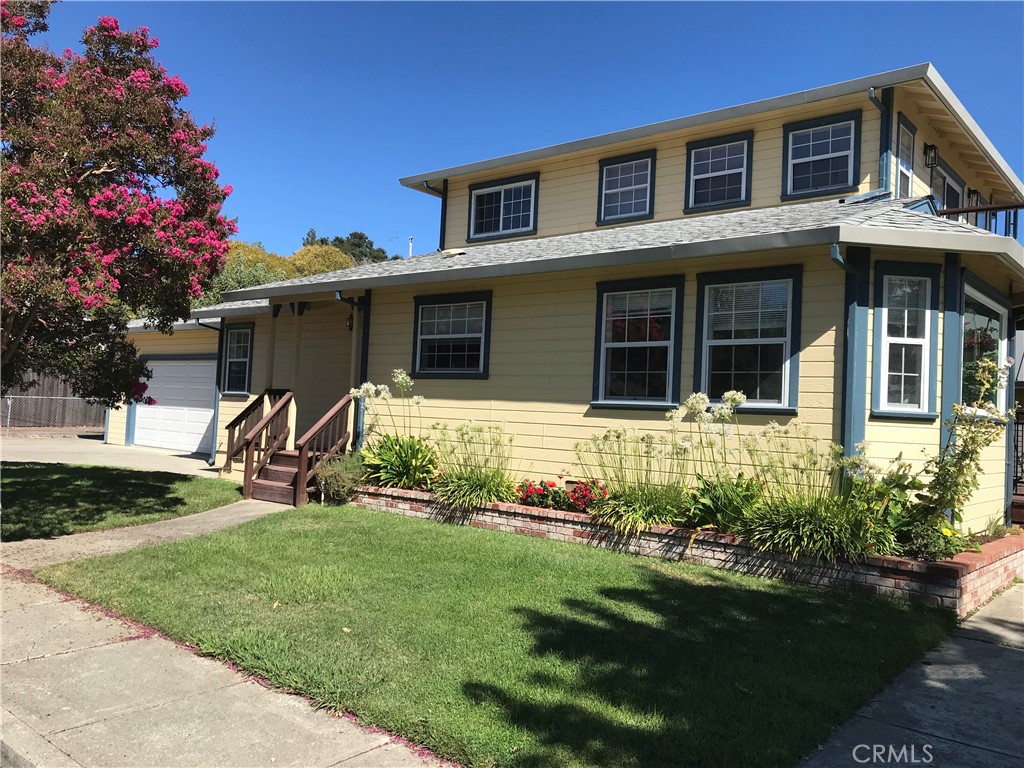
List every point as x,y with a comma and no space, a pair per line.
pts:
321,107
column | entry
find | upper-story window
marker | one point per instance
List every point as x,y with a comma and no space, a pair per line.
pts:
821,156
947,187
503,208
718,172
905,157
627,188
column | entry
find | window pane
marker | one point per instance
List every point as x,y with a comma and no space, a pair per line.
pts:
641,322
754,369
237,375
749,311
626,189
984,330
503,210
716,174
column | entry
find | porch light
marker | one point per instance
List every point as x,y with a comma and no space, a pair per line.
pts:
973,198
349,322
931,155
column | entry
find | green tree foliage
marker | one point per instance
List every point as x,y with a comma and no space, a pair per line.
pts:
248,265
317,259
357,245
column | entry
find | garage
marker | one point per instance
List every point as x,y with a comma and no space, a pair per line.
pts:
182,419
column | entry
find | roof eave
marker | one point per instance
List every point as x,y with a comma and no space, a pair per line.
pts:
212,312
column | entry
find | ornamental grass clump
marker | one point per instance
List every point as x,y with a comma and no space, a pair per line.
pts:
401,459
475,466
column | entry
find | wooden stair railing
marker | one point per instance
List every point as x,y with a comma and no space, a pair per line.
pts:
323,441
264,440
242,424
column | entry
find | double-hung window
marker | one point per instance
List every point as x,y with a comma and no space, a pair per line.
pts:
503,208
638,342
627,188
451,334
985,324
947,188
821,156
237,359
718,172
905,339
749,335
905,157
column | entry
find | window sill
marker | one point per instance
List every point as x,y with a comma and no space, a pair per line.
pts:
236,394
782,410
827,192
626,405
449,375
501,236
690,209
624,220
904,415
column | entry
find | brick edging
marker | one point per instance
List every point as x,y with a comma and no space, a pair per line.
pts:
961,583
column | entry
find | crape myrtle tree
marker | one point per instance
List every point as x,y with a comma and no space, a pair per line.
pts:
109,209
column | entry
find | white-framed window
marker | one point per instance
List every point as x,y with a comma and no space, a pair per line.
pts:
906,342
627,186
985,324
821,157
718,174
451,335
905,159
503,208
747,337
237,359
947,189
638,346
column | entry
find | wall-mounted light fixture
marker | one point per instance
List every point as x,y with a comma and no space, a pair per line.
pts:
350,322
931,155
973,197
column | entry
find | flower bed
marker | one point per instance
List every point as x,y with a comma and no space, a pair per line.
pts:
960,584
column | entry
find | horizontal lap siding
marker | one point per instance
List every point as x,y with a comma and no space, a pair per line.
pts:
324,362
569,186
989,501
542,354
232,405
191,342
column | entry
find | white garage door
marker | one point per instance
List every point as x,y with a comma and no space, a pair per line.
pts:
182,418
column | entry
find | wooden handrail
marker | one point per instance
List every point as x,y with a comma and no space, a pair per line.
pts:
328,437
236,438
254,439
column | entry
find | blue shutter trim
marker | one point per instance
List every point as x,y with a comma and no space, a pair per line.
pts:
794,273
855,349
359,417
885,136
1011,350
885,269
952,340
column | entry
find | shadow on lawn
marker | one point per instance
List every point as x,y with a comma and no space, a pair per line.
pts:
45,500
676,673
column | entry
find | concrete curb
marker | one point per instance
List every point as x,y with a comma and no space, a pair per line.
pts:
21,747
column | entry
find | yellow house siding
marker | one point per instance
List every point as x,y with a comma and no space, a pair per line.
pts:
117,423
542,355
568,186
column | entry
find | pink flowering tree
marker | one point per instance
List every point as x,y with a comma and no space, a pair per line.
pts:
109,210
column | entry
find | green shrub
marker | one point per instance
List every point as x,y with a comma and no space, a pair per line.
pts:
630,509
476,466
339,477
723,502
827,530
924,541
400,461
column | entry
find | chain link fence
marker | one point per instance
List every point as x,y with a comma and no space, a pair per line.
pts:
38,411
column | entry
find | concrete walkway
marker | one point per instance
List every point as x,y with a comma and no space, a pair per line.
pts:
961,706
82,688
91,450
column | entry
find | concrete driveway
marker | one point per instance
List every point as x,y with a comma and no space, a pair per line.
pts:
91,450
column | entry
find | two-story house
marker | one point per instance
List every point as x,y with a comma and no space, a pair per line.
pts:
811,250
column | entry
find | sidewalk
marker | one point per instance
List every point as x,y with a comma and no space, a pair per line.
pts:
82,688
961,706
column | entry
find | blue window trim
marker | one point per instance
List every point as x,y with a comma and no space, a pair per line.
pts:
452,298
691,146
251,327
473,188
794,273
952,339
652,155
641,284
933,272
818,122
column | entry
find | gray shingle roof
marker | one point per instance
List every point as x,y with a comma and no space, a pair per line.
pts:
234,308
738,231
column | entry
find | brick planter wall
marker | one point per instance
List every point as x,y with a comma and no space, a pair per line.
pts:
960,584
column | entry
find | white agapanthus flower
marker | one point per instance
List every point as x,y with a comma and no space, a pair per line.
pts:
383,392
702,417
676,414
401,378
418,400
697,402
734,398
721,412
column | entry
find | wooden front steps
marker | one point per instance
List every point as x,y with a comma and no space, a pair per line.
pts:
276,481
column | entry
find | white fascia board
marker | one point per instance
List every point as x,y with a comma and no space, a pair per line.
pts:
881,80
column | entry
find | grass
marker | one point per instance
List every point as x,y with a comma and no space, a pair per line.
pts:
495,649
43,500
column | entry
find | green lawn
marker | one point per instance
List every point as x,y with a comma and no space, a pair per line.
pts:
42,500
494,649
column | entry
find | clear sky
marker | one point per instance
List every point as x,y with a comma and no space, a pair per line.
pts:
321,106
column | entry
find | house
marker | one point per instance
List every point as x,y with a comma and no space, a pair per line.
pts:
842,255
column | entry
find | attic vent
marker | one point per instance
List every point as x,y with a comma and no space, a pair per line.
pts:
452,252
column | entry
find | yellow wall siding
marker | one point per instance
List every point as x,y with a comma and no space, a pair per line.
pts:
568,186
542,355
190,342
